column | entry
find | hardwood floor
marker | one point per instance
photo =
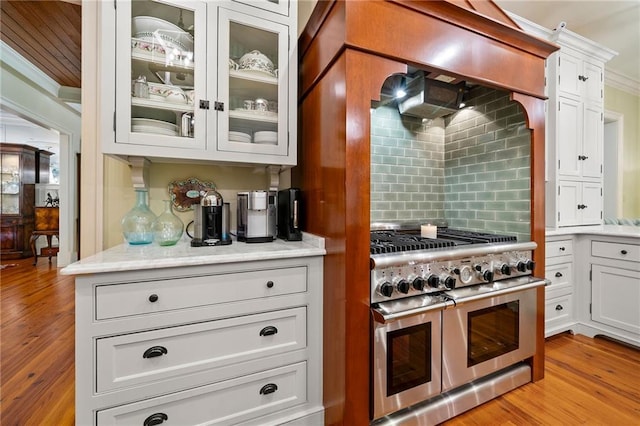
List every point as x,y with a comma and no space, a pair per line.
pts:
587,381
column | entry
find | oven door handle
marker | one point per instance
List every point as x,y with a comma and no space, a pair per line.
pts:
382,316
533,282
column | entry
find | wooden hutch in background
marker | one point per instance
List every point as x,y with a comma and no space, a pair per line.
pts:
21,168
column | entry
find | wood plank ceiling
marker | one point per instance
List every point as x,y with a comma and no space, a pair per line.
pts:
47,34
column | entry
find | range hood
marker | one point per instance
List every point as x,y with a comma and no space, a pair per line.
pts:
429,98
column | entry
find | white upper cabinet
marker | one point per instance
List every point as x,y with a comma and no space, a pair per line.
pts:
209,81
580,77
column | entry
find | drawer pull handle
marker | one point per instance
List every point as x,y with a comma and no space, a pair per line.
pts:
561,248
623,251
559,307
155,351
268,388
558,274
268,331
155,419
269,284
153,298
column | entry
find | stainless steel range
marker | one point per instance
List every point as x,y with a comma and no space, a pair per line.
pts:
454,320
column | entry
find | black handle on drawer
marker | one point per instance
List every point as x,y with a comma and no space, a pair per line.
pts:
623,252
562,249
155,419
269,284
559,307
558,274
268,388
268,331
154,351
153,298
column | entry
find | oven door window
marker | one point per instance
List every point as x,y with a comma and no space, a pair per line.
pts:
408,358
493,331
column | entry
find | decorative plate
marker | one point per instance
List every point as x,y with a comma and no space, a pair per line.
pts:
185,193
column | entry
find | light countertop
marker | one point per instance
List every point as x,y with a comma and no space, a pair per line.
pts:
605,230
126,257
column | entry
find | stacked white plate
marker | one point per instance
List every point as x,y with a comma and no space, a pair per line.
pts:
239,137
265,137
150,27
147,125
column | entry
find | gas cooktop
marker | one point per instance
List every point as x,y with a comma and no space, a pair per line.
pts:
403,240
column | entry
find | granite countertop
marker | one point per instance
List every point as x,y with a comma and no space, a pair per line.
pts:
606,230
126,257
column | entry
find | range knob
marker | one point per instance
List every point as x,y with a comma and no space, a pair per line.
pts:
433,281
487,276
505,269
449,283
521,266
385,289
402,286
418,283
530,265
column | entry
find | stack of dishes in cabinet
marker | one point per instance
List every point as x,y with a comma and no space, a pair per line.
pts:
265,137
239,137
175,41
147,125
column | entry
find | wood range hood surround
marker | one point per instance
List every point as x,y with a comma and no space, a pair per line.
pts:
347,50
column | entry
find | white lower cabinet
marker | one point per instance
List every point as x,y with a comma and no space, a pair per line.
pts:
223,403
615,297
235,343
559,293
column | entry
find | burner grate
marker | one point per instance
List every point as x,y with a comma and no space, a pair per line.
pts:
475,237
391,242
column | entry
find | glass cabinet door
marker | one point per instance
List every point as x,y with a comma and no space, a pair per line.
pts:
253,84
160,73
10,181
277,6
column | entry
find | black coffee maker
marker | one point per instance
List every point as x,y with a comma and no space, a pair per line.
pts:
211,221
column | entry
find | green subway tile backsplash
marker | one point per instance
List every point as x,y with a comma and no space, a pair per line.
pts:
470,168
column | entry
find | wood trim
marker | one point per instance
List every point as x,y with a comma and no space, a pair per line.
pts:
535,116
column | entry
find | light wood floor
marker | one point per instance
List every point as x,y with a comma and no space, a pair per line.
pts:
587,381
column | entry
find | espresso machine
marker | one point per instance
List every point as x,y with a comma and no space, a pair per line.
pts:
257,216
211,221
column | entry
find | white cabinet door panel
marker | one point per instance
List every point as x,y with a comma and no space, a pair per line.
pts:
568,199
592,200
593,82
569,137
591,164
615,294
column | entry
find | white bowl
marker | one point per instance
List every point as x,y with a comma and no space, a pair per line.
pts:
145,25
168,93
255,60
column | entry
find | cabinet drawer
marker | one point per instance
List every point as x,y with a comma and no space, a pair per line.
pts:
561,278
224,403
121,300
616,251
558,311
558,248
140,358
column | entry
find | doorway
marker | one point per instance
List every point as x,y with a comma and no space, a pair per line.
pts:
613,164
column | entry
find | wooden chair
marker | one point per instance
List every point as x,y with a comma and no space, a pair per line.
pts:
46,223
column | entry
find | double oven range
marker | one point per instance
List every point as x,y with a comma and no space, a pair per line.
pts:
453,320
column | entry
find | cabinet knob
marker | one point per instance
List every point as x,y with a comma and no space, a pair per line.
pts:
269,284
562,248
153,298
268,388
559,307
155,351
623,252
582,206
558,274
155,419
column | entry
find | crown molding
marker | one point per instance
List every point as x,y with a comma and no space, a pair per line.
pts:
621,82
